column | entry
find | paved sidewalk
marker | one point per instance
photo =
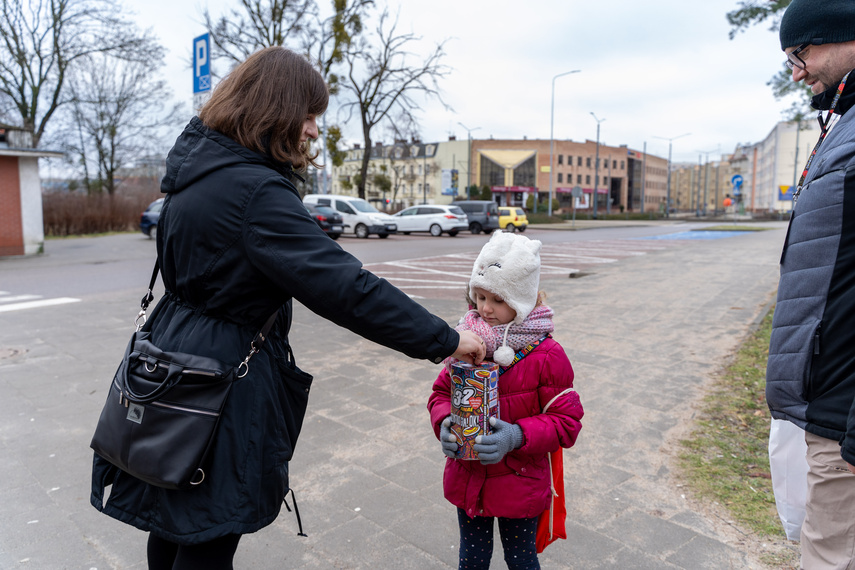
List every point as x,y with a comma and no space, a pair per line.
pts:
645,336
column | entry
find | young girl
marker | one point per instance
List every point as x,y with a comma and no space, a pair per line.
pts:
511,480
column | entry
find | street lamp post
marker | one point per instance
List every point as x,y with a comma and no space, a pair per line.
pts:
468,160
668,198
703,209
597,166
552,137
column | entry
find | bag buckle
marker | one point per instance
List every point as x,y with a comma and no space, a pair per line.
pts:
140,317
245,364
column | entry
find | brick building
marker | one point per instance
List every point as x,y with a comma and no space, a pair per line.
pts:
21,225
622,178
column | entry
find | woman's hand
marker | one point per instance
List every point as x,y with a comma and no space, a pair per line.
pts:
471,348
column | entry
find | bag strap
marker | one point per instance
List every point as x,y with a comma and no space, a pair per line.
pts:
255,346
552,491
522,353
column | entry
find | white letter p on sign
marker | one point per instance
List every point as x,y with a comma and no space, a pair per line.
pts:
201,56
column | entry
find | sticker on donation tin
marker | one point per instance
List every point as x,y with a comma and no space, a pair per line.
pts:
474,400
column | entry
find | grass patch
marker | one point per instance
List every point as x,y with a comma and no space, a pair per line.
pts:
733,228
725,459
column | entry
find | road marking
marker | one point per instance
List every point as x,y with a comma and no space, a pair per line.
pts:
446,276
17,298
36,304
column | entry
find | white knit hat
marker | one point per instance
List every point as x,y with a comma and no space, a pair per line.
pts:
509,266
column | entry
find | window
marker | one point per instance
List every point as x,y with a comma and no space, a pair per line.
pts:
559,178
569,160
579,161
560,159
579,177
621,165
491,173
343,207
427,168
614,164
587,179
588,162
525,174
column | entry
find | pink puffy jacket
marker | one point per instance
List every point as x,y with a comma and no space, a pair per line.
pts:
517,486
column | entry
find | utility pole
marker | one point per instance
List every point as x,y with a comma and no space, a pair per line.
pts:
597,166
552,137
668,199
643,174
468,160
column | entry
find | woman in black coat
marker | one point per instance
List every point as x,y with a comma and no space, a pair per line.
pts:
235,244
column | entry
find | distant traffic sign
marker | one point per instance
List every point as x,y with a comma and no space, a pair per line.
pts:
201,64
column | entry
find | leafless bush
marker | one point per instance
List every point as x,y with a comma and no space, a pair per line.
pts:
68,214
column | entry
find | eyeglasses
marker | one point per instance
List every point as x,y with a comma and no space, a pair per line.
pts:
797,62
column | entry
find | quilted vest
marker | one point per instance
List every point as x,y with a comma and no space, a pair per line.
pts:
807,267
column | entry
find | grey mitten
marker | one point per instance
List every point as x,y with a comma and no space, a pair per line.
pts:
447,438
505,437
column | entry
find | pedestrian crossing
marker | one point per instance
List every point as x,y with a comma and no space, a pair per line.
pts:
445,276
20,302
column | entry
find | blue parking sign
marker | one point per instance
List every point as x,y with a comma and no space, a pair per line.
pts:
201,64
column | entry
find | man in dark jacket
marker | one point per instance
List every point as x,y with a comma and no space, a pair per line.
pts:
811,371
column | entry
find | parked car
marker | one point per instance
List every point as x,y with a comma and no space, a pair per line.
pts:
149,218
359,217
483,215
433,219
328,219
512,218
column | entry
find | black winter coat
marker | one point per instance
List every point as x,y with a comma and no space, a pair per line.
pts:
236,243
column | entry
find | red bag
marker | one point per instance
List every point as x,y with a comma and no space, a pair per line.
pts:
551,523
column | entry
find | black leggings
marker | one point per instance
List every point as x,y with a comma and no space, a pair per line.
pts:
215,554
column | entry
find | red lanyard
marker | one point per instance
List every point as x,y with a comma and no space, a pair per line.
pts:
823,126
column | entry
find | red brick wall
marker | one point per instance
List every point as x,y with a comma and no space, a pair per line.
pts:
11,230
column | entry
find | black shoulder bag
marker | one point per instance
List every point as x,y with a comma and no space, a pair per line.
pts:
163,408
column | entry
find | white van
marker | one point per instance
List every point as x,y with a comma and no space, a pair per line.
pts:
360,217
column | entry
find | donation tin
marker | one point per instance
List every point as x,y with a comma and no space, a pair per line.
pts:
474,400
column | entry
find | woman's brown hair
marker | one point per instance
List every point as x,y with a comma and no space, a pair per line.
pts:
264,102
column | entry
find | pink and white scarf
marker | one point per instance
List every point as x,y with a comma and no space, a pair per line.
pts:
536,325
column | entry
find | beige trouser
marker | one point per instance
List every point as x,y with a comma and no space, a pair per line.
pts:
828,533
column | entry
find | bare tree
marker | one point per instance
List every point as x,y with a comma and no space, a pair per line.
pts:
118,108
41,41
751,13
381,81
258,24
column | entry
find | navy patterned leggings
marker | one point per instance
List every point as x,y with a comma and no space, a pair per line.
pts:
518,541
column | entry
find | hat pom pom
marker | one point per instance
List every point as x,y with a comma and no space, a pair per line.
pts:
504,355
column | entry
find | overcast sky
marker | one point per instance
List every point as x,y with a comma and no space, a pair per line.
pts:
660,68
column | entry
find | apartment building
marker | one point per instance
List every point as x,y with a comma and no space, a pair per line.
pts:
407,173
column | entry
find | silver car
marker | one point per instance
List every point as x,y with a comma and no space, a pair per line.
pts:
434,219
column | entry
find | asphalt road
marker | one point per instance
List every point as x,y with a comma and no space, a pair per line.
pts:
646,334
91,266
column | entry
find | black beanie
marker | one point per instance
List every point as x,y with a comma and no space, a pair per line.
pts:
818,22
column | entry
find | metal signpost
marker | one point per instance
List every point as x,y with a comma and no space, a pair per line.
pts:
576,193
736,182
201,71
